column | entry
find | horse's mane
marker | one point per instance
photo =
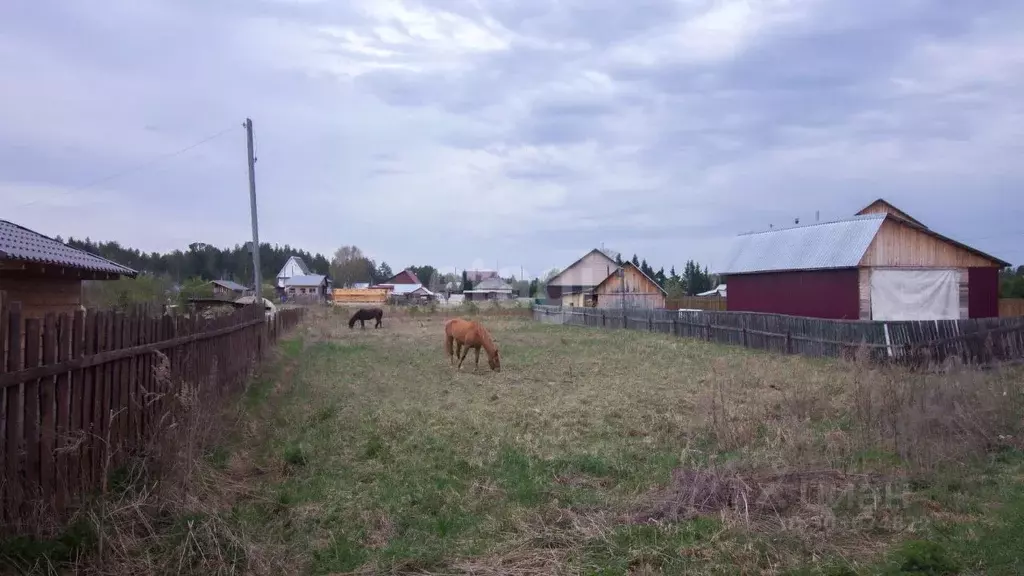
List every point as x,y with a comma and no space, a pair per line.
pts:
485,337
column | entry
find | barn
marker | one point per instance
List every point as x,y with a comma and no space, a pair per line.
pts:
45,275
627,286
880,264
574,285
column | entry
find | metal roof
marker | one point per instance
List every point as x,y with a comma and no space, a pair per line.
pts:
20,243
404,289
825,245
306,280
492,284
230,285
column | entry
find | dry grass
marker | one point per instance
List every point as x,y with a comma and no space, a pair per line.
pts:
398,463
592,451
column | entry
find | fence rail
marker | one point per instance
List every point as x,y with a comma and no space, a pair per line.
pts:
82,392
979,342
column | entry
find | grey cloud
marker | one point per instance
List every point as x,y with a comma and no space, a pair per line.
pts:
665,161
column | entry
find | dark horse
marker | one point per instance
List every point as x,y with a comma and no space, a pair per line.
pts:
364,314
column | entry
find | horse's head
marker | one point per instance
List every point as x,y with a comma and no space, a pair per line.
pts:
494,361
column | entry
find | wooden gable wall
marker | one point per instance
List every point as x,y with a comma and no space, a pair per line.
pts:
900,245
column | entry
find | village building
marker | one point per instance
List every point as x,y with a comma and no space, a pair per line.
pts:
627,287
492,288
228,289
596,280
294,266
46,275
570,286
307,289
880,264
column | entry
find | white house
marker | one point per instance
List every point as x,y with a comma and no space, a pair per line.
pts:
293,267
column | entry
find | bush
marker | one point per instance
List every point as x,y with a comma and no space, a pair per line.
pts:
470,308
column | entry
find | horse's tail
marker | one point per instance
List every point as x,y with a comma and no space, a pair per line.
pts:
448,345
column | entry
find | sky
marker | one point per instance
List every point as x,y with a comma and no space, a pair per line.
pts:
516,134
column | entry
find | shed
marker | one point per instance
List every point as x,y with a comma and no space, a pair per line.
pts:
880,264
627,286
227,288
46,275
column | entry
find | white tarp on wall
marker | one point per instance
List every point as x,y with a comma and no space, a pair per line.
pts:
915,295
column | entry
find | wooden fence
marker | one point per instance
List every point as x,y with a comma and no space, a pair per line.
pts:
1008,307
84,391
1011,307
979,342
696,303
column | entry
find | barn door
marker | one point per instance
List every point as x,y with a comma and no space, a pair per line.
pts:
914,295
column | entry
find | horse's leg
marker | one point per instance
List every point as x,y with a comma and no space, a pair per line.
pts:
458,350
477,366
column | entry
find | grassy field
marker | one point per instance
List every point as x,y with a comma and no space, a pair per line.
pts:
602,452
613,452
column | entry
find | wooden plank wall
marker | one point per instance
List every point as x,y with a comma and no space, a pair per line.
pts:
976,342
696,303
82,392
1011,307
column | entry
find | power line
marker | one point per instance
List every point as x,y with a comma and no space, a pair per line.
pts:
137,167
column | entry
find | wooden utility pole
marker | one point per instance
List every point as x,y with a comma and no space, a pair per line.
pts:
257,271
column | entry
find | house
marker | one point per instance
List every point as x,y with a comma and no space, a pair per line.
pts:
490,289
627,286
294,266
403,277
227,289
568,287
880,264
407,292
46,275
475,276
307,288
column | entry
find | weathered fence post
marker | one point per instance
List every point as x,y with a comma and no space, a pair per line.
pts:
789,342
745,337
707,328
650,321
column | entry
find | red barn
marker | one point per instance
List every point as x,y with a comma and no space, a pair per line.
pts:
878,265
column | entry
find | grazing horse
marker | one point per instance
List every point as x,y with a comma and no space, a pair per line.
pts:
467,334
364,314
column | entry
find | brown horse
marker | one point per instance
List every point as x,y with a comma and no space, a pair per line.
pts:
467,334
364,314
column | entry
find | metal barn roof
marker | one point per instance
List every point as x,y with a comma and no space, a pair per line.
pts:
20,243
825,245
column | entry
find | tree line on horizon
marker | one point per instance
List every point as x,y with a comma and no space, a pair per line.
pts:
202,262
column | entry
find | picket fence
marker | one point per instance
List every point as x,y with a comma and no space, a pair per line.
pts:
79,394
920,343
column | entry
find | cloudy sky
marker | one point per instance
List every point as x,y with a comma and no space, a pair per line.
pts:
509,132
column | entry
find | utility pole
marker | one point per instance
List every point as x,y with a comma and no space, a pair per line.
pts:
257,271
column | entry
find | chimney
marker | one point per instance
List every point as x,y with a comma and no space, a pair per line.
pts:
797,220
817,215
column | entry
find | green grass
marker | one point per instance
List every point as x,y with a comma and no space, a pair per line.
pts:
387,459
